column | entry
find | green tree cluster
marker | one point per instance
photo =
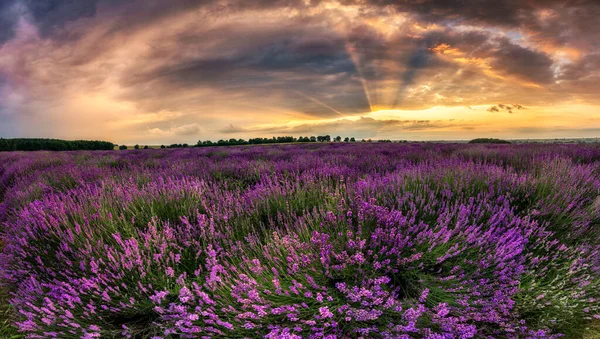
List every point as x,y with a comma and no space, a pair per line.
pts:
488,141
37,144
273,140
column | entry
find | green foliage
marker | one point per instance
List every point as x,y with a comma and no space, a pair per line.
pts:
488,141
35,144
261,141
178,146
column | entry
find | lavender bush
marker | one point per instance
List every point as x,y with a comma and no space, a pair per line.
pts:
302,241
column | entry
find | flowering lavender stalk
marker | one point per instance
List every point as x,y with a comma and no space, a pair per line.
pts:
303,241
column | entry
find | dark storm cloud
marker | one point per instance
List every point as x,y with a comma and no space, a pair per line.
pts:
8,20
307,66
550,23
490,12
300,54
420,58
565,23
262,61
502,12
571,22
416,61
506,56
292,53
51,14
581,68
47,15
522,62
322,55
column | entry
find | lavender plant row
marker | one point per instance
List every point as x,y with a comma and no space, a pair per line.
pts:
303,241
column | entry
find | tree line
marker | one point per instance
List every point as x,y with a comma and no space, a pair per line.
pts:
262,141
40,144
273,140
37,144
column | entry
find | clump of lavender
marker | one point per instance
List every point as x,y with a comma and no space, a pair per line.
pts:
344,241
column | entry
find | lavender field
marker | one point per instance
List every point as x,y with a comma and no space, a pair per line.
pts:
329,241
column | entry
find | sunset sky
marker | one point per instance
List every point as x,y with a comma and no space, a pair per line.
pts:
180,70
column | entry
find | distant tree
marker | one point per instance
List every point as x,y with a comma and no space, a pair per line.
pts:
136,147
37,144
488,141
346,139
162,146
178,146
338,139
256,141
352,139
146,147
284,139
204,143
123,147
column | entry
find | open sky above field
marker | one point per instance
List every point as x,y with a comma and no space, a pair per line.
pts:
181,70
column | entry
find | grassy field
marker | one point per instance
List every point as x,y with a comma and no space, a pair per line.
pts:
302,241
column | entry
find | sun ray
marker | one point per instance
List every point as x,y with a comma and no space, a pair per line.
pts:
351,50
319,102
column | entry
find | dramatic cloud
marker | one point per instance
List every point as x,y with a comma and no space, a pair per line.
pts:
159,71
8,20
